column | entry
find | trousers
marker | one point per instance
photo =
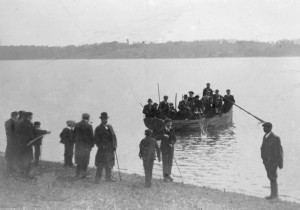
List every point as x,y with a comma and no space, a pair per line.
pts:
148,168
167,161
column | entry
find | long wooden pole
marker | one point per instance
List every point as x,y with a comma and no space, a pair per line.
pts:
118,165
158,92
176,101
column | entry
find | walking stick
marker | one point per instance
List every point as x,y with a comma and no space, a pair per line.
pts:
35,139
118,165
178,169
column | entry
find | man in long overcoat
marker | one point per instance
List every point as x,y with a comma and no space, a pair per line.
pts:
168,139
272,156
26,133
11,146
84,142
228,101
106,141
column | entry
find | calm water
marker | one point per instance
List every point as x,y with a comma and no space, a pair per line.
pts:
228,158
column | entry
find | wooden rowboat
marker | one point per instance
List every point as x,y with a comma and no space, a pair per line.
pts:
216,121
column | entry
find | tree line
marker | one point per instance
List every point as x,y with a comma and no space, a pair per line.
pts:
178,49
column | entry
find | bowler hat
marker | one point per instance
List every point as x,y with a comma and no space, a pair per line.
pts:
207,83
191,92
166,97
149,100
185,96
104,115
148,132
37,123
267,124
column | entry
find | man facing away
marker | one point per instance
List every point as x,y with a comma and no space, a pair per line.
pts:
84,142
148,146
168,139
272,156
38,143
11,146
67,138
106,141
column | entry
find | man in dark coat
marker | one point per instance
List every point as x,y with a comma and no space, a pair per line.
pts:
217,102
147,111
228,101
38,143
272,156
164,108
12,145
191,99
84,142
148,146
168,139
26,133
106,141
67,138
154,111
184,108
207,89
172,112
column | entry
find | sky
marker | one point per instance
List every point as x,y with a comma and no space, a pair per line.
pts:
78,22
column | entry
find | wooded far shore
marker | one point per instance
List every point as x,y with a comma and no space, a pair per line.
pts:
145,50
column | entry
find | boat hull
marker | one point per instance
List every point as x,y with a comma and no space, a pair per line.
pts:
216,121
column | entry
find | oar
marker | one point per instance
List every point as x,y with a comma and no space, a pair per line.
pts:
141,105
176,101
262,121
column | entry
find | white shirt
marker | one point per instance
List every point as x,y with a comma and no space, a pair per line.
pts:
268,134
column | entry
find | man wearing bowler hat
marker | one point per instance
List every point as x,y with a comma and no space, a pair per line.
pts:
84,142
272,156
106,141
148,108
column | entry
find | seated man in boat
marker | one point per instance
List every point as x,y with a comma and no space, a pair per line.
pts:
207,89
154,111
217,102
172,112
148,108
164,108
228,101
198,107
184,108
191,98
207,101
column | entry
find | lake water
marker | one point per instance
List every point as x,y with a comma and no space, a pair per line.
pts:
229,158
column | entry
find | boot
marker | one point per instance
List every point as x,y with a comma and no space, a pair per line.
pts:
275,190
272,191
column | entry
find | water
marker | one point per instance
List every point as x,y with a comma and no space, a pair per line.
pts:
229,158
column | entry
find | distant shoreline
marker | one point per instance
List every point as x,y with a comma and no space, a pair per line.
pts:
142,50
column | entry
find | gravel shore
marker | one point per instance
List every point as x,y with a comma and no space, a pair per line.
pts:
55,188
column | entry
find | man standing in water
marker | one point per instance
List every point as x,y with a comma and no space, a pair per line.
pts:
168,139
106,141
272,156
84,142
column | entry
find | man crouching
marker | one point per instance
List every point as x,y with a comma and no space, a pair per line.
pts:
147,152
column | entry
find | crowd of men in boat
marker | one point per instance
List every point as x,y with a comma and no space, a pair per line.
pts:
191,107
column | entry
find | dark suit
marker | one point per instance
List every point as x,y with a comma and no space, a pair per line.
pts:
26,133
228,102
167,150
272,156
37,144
207,89
147,110
184,109
84,142
12,145
106,141
67,138
163,109
147,152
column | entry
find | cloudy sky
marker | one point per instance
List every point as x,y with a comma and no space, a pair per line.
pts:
66,22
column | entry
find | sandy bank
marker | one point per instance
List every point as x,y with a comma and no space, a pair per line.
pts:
54,188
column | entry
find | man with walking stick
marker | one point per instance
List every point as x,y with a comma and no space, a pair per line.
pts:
168,139
272,156
106,141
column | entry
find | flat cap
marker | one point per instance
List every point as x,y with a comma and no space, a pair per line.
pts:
155,104
85,116
166,97
191,92
149,100
28,114
37,123
267,124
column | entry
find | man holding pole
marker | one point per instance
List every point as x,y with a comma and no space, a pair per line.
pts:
106,141
272,156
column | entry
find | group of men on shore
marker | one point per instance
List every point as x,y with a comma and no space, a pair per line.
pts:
22,137
191,107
